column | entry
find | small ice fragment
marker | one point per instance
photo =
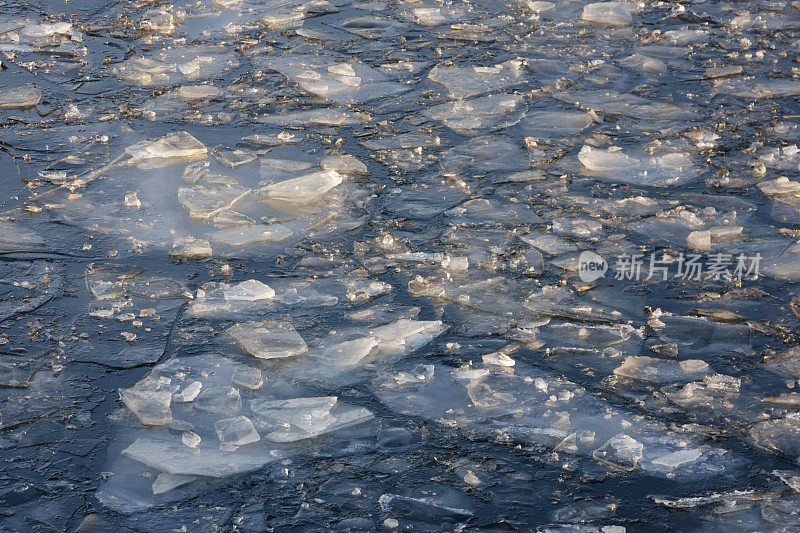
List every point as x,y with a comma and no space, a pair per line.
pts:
190,439
188,393
132,201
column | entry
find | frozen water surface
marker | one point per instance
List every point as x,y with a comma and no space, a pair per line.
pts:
399,266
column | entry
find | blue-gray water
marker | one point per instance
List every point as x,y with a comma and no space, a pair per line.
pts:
401,266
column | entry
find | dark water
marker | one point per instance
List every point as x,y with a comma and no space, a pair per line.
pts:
362,233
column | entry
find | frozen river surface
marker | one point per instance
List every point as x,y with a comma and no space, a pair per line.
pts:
412,265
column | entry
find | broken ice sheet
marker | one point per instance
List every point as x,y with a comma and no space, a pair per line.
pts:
20,98
260,234
220,299
652,369
176,459
333,79
268,339
302,190
303,418
612,164
465,82
468,117
168,150
168,66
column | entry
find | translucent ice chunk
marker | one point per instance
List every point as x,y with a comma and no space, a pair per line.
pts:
304,189
236,431
188,248
348,353
645,368
268,339
174,458
249,291
189,392
223,401
149,400
170,149
20,98
465,82
311,415
620,452
609,13
259,234
404,336
167,482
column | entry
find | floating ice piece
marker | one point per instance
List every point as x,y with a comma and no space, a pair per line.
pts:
175,459
206,204
170,149
189,392
346,354
609,13
168,66
330,79
465,82
778,435
167,482
360,290
222,401
615,103
266,141
248,291
643,368
344,164
232,158
558,124
20,98
779,187
676,459
190,439
157,21
268,339
404,336
658,171
259,234
468,117
620,452
247,377
219,298
149,400
236,431
302,190
304,418
14,236
330,116
420,375
188,248
311,415
58,38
